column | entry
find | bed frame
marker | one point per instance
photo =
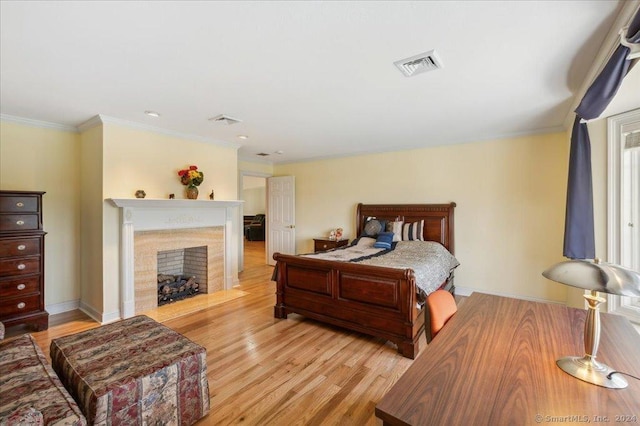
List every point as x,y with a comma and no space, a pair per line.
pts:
375,300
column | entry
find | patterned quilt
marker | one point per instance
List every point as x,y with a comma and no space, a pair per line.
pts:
430,261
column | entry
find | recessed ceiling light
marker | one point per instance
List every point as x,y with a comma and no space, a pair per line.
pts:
152,114
245,137
279,151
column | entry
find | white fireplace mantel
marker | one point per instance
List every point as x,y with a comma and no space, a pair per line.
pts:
140,214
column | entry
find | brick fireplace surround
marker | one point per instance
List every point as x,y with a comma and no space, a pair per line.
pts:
150,226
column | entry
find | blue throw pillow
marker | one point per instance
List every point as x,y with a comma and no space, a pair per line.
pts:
384,240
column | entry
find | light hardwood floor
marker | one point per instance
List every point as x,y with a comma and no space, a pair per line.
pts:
265,371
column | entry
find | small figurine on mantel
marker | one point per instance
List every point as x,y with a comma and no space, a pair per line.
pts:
211,195
140,193
172,196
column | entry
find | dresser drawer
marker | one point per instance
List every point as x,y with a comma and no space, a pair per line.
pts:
19,203
20,266
19,247
17,287
19,305
19,222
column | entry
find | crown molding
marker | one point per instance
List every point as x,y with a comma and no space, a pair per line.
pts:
103,119
609,45
94,121
37,123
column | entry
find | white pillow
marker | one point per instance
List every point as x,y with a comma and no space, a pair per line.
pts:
396,228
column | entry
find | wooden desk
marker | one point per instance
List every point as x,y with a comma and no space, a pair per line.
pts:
494,363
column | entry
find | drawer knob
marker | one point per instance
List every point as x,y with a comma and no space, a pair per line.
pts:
20,222
22,266
19,204
22,247
21,305
21,286
324,246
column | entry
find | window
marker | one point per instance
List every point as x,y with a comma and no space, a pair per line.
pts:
624,203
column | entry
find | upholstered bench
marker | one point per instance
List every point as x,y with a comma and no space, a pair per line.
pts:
135,371
30,392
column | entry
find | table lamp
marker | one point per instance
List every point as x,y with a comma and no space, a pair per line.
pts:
594,276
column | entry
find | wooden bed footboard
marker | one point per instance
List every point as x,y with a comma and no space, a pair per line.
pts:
374,300
369,299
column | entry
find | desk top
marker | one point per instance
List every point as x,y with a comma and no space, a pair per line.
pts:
495,363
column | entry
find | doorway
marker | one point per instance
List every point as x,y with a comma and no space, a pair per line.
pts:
252,190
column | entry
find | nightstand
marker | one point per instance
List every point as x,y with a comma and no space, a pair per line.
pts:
324,244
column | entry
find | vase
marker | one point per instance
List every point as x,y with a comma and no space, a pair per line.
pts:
192,192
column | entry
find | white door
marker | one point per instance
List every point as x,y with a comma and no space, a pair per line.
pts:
281,216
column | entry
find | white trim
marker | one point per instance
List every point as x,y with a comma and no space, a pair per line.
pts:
103,119
155,214
617,126
90,123
58,308
37,123
91,312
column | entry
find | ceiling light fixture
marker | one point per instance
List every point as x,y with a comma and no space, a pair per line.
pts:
279,151
152,114
243,137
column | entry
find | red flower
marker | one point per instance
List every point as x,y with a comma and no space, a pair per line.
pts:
182,172
193,167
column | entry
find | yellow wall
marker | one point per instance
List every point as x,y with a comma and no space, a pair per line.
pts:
136,159
92,268
39,159
250,166
510,196
80,171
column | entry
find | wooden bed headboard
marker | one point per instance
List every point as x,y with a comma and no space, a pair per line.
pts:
438,218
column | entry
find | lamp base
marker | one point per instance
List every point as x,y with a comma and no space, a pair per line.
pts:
589,370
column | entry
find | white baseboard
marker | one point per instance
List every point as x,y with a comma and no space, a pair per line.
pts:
89,310
466,291
58,308
98,316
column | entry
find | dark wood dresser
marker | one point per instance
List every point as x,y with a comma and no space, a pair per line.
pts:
22,259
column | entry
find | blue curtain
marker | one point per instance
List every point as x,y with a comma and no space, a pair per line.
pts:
579,241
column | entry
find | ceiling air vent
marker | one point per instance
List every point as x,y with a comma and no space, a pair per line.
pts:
417,64
262,154
224,119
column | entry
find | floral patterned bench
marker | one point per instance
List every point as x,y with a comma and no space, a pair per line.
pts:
135,371
30,392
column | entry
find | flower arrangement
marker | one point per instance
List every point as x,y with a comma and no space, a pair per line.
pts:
191,177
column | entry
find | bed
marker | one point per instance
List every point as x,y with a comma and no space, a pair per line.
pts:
379,301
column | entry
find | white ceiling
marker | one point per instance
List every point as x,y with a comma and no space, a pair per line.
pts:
313,79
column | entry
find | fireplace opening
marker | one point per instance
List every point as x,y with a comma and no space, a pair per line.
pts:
181,273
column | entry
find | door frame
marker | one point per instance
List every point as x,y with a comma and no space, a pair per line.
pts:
617,126
241,175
